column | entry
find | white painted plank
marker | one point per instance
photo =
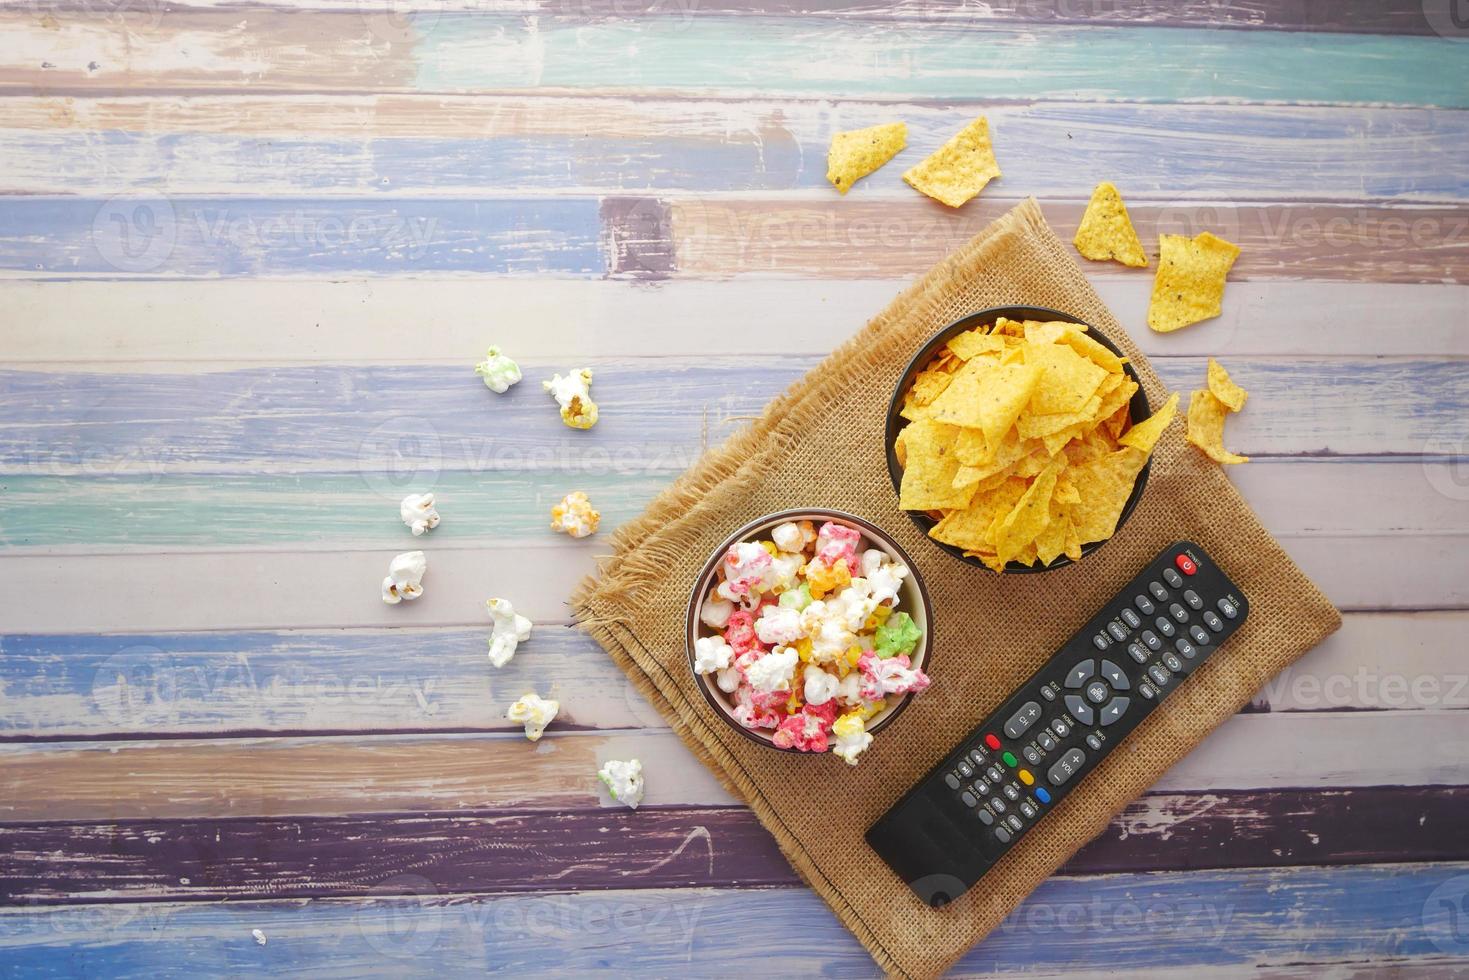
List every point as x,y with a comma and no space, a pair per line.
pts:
139,325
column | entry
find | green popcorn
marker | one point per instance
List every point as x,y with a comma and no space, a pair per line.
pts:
798,598
898,635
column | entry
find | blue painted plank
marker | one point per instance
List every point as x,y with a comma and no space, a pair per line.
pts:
404,425
232,237
1402,914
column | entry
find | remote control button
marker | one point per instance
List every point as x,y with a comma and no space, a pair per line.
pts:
1081,673
1002,835
1028,808
1159,593
1184,647
1185,564
1172,577
1144,605
1147,690
1060,727
1096,692
992,742
1015,823
1079,709
1020,721
1043,794
980,787
1136,652
951,780
1172,662
1212,621
1050,695
1012,792
993,774
1132,619
1199,635
1026,777
1159,675
1114,674
1068,765
997,804
1032,754
1192,598
1150,639
1118,631
965,769
1229,609
1164,626
967,798
1047,743
978,757
1100,641
1178,613
1114,710
1008,759
1094,742
985,817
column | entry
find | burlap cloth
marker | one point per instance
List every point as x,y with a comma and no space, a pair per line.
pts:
821,445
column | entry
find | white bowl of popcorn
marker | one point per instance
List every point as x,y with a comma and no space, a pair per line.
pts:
809,631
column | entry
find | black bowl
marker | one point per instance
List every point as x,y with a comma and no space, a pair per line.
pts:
1138,410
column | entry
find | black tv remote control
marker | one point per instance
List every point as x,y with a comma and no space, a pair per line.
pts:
1003,779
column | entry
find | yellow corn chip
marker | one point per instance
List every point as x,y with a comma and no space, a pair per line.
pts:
959,169
1104,484
1206,427
858,152
1189,286
928,477
1069,379
1030,516
1106,231
972,343
968,528
1231,394
1052,541
1145,434
1093,351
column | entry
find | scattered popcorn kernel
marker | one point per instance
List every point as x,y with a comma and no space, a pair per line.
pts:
259,936
510,630
499,371
405,577
574,516
624,780
417,511
535,713
574,394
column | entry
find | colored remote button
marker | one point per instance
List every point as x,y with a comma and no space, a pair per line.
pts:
1009,759
992,741
1185,564
1043,794
1026,777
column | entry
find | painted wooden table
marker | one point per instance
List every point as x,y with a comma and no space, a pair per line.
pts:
250,251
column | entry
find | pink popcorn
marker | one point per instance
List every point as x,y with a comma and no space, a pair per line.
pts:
893,675
837,542
807,730
740,633
747,569
751,714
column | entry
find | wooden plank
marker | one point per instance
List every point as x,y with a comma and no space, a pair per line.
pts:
136,325
318,682
1205,919
327,776
1350,16
59,862
195,237
415,422
720,237
350,511
333,145
480,51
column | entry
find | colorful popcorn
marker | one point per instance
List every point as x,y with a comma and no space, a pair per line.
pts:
803,633
405,577
575,516
535,713
498,371
510,630
624,780
574,394
417,511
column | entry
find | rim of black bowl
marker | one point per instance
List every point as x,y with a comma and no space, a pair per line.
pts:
1137,409
700,589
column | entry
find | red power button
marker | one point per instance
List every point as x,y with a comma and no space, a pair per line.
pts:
991,741
1185,564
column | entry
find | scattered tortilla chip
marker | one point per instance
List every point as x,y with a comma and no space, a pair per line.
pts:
1190,283
858,152
1145,434
1106,231
1206,427
959,169
1231,394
